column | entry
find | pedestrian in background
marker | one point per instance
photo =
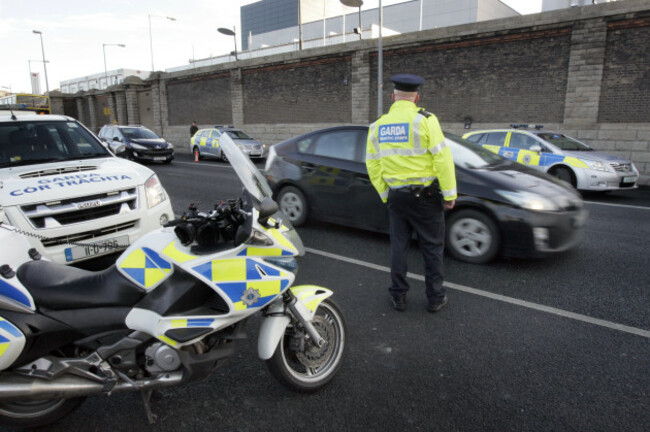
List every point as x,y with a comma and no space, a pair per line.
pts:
412,169
193,129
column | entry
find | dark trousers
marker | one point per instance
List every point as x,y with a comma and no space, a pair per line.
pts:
425,216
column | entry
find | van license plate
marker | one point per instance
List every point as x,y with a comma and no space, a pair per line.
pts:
102,247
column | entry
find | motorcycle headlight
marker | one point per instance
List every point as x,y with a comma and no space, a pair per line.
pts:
529,200
154,191
599,166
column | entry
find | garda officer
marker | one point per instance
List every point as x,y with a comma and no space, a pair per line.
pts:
413,171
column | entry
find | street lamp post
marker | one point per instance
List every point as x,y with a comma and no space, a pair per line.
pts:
228,32
47,85
380,56
104,48
151,38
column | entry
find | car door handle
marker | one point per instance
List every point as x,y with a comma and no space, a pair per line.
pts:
362,178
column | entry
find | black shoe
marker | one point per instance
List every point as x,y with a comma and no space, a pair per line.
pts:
399,302
437,306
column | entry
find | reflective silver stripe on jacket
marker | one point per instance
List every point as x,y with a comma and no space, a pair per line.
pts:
396,151
439,147
374,141
425,181
384,194
449,193
417,144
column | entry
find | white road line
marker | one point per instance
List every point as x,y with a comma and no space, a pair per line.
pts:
499,297
203,165
617,205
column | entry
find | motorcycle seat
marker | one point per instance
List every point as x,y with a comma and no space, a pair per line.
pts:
59,287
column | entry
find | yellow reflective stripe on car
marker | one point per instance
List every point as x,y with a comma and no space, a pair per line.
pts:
575,162
178,256
492,148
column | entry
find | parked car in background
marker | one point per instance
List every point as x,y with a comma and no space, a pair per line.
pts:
141,144
71,197
205,142
561,156
502,207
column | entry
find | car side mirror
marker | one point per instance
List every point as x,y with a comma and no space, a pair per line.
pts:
116,139
536,148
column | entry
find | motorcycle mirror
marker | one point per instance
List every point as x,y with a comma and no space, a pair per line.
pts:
268,208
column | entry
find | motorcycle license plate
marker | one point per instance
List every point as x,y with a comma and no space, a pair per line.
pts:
103,247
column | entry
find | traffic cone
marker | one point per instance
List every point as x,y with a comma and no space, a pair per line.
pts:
196,156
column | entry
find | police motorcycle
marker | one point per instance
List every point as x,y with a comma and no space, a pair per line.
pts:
170,311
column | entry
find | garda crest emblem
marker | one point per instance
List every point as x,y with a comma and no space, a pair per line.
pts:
250,296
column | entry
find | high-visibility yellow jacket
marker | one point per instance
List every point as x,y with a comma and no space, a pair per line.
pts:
406,147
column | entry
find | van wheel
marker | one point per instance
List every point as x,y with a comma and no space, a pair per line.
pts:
293,204
472,237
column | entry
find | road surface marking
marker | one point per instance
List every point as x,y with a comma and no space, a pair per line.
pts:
499,297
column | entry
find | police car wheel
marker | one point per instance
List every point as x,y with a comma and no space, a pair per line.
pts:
472,237
293,204
564,174
224,158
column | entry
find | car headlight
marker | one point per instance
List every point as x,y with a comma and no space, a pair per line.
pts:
138,147
599,166
154,191
529,200
170,145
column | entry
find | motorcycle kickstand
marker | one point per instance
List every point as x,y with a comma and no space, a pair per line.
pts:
146,399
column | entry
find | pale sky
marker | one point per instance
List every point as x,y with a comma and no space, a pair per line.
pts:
74,33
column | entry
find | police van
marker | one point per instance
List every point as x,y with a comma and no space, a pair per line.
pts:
68,194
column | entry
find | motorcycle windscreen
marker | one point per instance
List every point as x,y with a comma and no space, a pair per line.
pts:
257,186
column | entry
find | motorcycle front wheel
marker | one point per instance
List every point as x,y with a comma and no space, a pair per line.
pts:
300,365
29,414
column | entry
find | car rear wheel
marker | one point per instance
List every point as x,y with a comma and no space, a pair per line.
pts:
224,158
472,237
564,174
293,204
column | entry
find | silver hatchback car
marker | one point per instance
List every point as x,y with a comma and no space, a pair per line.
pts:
561,156
205,142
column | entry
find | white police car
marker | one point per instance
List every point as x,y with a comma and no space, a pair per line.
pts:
73,198
559,155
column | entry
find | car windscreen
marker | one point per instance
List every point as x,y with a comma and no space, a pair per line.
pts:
564,142
466,154
236,134
138,133
32,142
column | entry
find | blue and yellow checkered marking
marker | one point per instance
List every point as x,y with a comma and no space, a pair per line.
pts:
146,267
235,276
268,290
13,293
12,330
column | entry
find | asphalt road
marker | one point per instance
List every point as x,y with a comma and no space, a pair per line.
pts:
559,344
